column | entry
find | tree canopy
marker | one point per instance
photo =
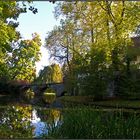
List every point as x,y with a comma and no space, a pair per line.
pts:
18,56
93,40
93,44
50,74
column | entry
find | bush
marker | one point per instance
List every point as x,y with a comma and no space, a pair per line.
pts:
28,94
50,90
129,85
49,97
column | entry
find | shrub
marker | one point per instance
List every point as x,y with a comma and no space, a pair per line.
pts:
49,97
50,90
129,85
28,94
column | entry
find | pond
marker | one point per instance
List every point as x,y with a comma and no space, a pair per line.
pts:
27,121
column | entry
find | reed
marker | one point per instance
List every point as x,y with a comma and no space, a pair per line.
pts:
90,124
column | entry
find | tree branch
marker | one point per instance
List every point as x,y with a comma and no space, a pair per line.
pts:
102,5
122,13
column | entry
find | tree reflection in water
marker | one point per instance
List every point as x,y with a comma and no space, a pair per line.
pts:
27,122
52,118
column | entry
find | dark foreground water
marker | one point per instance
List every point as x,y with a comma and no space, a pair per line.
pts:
27,121
73,123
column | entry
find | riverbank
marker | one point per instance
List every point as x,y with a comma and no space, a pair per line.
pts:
107,103
57,121
73,101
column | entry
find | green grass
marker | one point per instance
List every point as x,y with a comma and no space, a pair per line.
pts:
119,103
89,100
86,123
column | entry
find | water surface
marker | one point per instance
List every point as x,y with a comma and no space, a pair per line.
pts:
27,121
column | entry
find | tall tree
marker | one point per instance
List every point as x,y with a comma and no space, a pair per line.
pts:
98,38
18,56
24,57
51,74
8,10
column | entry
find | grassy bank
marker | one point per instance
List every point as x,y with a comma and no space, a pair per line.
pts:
109,103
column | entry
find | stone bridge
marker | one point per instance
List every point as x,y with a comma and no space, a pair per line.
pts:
39,89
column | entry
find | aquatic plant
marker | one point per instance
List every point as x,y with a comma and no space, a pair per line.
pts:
89,123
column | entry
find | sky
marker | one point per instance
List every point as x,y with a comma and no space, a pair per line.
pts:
41,22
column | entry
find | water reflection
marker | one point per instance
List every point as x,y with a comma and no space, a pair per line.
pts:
49,119
27,122
39,127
